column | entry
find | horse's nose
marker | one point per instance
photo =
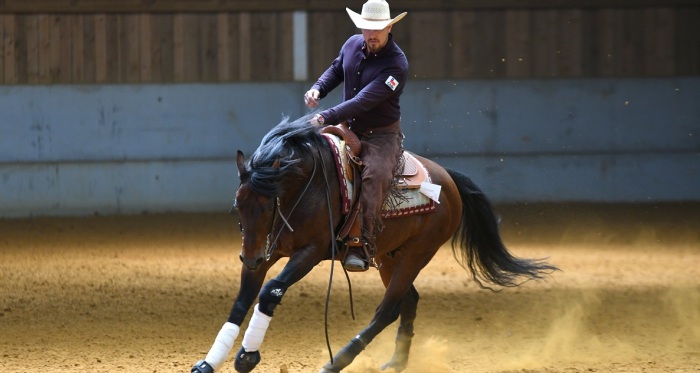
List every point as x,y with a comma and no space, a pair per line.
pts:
251,264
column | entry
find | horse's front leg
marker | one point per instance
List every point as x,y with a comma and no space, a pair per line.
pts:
299,265
251,282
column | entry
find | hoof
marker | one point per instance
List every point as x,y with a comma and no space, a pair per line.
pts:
246,361
202,367
397,367
328,368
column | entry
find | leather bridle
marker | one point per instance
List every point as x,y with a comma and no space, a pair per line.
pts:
271,244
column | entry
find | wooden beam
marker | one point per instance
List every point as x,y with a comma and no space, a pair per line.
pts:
215,6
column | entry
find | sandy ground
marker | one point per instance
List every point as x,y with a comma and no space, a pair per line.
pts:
149,293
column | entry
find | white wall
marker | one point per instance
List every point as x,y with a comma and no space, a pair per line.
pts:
78,150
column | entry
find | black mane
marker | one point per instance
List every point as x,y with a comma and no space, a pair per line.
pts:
288,143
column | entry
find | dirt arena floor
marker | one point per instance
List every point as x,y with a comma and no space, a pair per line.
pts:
149,294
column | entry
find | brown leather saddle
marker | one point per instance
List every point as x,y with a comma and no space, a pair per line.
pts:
411,175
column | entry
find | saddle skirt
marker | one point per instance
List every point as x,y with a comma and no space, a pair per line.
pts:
408,199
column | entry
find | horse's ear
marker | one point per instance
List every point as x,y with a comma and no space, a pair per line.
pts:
240,162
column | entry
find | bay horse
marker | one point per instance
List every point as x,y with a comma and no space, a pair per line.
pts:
288,203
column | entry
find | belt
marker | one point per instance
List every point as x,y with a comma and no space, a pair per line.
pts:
390,128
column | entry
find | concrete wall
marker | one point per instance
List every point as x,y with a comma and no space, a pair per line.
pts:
77,150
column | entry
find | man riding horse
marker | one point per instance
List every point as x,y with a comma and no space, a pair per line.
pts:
374,71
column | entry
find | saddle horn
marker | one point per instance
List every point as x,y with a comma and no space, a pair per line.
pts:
341,130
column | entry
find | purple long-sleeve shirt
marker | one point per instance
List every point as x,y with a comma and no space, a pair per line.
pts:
373,84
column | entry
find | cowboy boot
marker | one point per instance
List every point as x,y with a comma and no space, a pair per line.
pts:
355,260
358,258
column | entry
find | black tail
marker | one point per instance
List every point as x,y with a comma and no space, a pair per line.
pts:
478,247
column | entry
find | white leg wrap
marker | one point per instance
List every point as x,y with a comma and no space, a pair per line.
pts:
222,345
255,333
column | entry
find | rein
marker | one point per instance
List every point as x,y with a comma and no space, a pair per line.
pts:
270,245
334,249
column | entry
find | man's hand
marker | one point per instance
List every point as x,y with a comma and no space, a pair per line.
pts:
311,98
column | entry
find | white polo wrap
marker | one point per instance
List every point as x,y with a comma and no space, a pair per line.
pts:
255,333
222,345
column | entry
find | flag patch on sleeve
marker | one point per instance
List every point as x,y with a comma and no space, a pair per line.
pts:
392,83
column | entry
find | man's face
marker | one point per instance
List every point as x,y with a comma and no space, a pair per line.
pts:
376,39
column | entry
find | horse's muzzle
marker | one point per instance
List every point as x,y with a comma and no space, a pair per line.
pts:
251,264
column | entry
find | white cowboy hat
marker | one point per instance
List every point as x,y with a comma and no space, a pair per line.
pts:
375,16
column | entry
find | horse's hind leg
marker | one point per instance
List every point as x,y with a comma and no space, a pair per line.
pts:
409,305
387,312
404,336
